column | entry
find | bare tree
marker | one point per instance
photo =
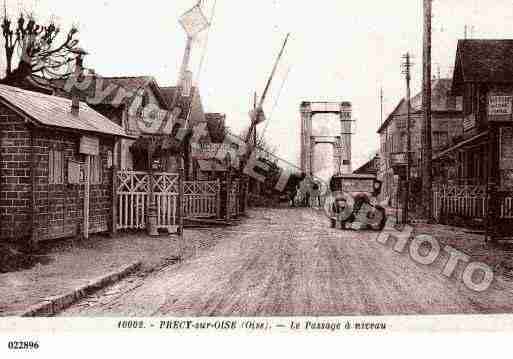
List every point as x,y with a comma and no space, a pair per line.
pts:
36,50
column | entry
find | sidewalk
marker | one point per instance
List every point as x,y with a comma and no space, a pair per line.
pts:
74,264
498,255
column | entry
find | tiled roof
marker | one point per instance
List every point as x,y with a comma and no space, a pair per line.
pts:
484,61
55,111
110,90
369,167
441,99
185,103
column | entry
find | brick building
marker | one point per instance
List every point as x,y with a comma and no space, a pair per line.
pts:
42,167
447,128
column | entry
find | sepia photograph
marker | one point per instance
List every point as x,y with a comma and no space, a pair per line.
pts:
270,166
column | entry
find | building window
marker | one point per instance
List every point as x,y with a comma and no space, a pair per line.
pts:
96,170
55,167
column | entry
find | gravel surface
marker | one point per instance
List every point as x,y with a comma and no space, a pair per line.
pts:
288,262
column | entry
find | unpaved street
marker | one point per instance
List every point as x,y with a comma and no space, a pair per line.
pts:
289,262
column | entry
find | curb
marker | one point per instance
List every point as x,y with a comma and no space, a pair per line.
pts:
56,304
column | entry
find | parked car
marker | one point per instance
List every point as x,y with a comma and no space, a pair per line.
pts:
353,202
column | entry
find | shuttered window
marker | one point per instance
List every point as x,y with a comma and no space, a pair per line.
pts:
55,167
96,170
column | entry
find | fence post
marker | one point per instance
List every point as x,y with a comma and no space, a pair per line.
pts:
218,199
114,228
180,210
228,193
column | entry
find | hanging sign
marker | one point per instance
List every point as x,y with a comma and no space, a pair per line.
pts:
89,145
194,21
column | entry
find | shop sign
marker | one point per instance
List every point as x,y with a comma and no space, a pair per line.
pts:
89,145
499,105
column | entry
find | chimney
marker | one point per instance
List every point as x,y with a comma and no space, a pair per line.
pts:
75,99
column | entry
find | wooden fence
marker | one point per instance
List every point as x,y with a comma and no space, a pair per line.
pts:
201,199
461,201
133,197
467,202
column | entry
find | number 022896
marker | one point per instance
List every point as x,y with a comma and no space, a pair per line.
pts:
22,345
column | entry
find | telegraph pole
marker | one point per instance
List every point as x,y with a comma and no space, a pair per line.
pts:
427,195
406,71
381,104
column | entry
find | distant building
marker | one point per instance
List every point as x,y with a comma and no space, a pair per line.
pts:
369,167
447,127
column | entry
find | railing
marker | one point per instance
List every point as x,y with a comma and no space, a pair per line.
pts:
468,201
506,207
201,199
460,201
133,197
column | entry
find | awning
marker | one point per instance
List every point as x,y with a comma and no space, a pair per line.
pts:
210,166
459,145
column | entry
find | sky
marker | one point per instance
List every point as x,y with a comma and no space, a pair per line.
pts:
338,51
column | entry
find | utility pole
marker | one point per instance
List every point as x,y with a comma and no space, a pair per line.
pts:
406,71
381,104
427,196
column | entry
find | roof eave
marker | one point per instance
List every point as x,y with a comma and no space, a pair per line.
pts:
35,121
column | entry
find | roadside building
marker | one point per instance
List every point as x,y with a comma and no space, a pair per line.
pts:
121,99
45,143
369,167
447,128
480,163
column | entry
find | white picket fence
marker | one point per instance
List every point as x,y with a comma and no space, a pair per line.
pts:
133,195
467,201
201,199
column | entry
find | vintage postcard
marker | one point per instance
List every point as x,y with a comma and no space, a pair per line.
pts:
271,166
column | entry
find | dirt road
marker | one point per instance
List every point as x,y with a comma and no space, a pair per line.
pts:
285,262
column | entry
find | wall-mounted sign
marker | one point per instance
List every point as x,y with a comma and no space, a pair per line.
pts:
499,105
89,145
